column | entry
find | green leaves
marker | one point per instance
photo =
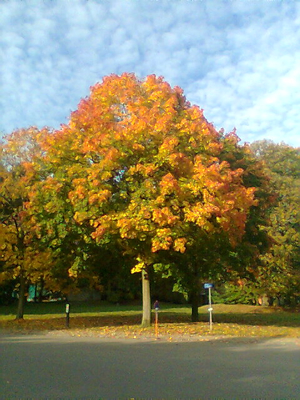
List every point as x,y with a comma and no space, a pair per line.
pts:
140,170
138,164
281,264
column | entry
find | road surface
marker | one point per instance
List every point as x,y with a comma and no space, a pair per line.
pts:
42,367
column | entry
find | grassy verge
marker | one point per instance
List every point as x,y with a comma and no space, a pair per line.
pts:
123,321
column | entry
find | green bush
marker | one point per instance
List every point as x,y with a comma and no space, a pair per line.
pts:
234,294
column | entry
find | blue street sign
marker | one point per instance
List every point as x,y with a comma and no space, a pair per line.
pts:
208,285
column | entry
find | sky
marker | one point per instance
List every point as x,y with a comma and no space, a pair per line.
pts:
238,60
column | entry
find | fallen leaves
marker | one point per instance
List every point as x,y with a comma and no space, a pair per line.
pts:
173,325
100,327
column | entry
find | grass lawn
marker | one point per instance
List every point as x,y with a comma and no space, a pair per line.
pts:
123,321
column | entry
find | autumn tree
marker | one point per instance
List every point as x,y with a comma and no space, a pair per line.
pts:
22,258
215,255
280,271
78,261
140,163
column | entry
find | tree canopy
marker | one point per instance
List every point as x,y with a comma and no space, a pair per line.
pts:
280,274
139,181
22,256
139,165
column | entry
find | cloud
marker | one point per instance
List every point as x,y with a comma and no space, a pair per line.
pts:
237,60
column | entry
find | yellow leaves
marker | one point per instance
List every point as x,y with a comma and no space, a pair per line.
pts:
5,276
146,213
150,169
79,193
181,164
96,182
106,175
232,138
17,271
138,147
137,223
51,207
168,184
179,245
142,262
164,233
195,213
150,187
169,144
73,273
36,262
93,199
99,233
164,217
100,197
133,207
162,241
80,217
27,259
136,169
101,226
113,154
160,200
214,148
138,267
147,170
126,229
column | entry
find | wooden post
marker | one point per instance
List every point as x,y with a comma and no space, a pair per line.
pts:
156,324
146,299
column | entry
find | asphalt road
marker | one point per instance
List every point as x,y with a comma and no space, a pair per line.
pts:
41,367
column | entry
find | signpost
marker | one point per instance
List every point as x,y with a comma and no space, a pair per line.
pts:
156,308
67,315
209,286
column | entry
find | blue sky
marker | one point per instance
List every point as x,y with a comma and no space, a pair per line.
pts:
239,60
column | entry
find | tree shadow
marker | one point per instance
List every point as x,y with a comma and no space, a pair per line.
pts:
272,319
252,319
133,316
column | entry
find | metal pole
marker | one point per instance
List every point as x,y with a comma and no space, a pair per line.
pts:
67,315
156,324
210,309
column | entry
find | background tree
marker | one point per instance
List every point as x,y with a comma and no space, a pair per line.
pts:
214,255
139,163
22,258
280,274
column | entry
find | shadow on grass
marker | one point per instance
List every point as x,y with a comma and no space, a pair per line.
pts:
284,319
276,319
53,316
58,323
32,324
48,308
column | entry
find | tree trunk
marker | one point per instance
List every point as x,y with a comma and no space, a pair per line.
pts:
40,298
35,292
195,305
21,302
146,321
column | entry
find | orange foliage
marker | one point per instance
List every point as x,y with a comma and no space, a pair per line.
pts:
142,162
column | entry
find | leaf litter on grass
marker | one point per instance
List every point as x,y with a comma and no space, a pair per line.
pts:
229,321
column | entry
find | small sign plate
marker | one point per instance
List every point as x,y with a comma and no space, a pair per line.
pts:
208,285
